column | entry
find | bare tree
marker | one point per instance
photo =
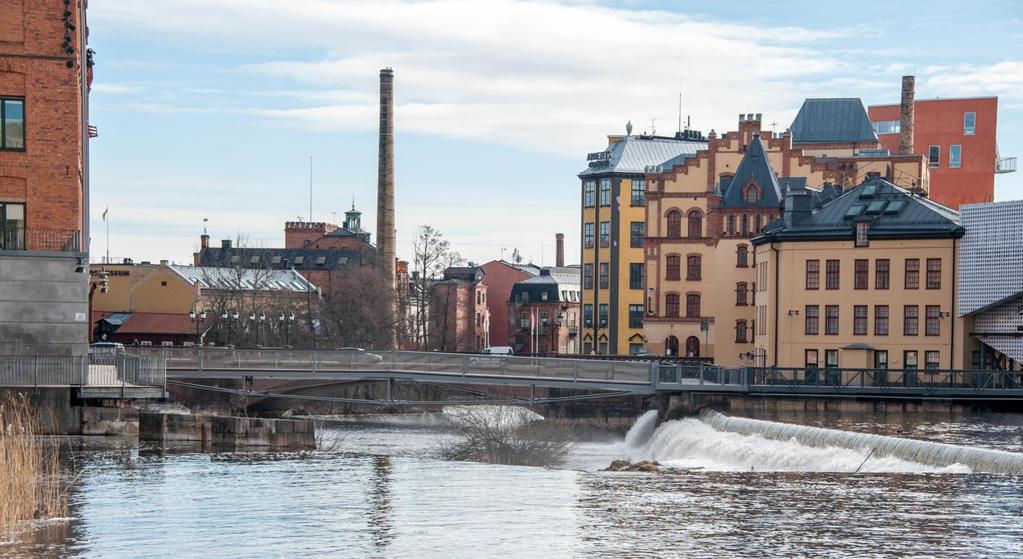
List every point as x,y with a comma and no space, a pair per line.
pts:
356,311
432,255
506,435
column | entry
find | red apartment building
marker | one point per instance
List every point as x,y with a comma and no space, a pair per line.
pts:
959,138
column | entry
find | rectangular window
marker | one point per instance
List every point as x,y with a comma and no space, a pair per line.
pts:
812,320
880,359
637,232
933,273
603,315
831,279
587,276
638,192
671,305
862,228
604,275
934,156
909,360
635,316
910,320
588,316
969,123
810,359
860,320
588,235
605,192
693,267
740,332
588,194
602,348
12,226
880,320
861,277
831,358
831,320
932,325
912,273
932,359
955,153
813,274
12,123
605,234
635,349
636,276
887,126
587,348
882,268
692,306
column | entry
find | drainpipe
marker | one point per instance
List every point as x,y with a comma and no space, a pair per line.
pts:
952,312
777,289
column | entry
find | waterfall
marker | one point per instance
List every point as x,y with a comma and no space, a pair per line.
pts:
921,452
642,430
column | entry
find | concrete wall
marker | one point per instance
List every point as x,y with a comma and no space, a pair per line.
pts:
226,431
43,304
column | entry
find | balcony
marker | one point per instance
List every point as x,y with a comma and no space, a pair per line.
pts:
1005,165
43,240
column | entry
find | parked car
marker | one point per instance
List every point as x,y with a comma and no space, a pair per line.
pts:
494,356
105,348
359,355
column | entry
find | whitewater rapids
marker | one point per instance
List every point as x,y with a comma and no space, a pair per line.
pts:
721,443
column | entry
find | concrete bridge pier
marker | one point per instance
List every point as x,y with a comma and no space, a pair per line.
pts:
676,405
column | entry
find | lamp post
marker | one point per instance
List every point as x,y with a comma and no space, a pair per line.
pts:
285,323
259,320
197,319
230,318
556,332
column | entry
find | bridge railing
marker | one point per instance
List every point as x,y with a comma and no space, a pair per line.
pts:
226,359
82,370
845,379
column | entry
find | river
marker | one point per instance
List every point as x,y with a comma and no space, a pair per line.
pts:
375,491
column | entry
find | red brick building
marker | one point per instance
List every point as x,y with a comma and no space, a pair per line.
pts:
501,277
459,319
44,85
959,138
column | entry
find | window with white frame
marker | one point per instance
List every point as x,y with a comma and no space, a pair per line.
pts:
955,153
969,123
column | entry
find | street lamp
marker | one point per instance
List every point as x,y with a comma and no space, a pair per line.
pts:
197,319
230,318
556,334
259,320
285,323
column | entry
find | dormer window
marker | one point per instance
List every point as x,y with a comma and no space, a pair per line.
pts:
751,195
861,233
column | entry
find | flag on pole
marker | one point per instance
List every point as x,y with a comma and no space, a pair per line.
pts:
105,212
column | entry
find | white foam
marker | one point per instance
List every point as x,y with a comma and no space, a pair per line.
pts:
642,430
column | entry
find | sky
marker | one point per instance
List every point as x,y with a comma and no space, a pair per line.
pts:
214,109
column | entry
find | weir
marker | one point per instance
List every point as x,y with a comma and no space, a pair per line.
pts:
922,452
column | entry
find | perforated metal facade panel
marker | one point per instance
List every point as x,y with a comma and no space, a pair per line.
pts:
990,255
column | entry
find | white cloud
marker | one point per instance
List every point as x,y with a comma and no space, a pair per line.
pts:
1004,79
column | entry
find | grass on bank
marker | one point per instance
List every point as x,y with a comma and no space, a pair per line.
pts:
30,482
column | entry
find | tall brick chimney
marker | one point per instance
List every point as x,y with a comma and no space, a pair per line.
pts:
906,111
559,259
385,180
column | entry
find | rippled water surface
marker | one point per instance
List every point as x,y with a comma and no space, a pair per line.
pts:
374,491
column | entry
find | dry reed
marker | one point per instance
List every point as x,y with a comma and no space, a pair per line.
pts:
30,486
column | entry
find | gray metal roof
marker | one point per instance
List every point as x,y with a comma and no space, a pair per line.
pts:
638,154
755,167
284,258
836,120
245,279
899,214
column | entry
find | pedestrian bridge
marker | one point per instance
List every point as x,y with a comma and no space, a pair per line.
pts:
612,377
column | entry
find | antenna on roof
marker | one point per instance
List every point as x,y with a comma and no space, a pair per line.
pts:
680,106
653,131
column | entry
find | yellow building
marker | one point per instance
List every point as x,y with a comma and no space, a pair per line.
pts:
867,280
614,235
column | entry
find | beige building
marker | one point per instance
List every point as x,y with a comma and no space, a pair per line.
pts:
702,214
866,280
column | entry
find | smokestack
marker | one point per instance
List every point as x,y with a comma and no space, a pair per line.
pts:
906,115
385,180
559,259
204,240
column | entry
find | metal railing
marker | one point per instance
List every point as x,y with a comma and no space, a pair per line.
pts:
46,240
1005,165
82,370
885,379
210,360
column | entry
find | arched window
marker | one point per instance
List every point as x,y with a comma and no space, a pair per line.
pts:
693,305
675,224
692,346
693,267
741,291
731,225
674,268
742,257
671,305
752,194
745,225
740,331
695,223
758,224
671,345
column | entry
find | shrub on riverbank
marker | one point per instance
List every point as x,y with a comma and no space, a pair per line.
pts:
507,435
30,482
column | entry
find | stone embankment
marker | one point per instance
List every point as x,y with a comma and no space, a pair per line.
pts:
221,431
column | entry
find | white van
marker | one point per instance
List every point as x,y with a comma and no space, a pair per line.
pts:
498,350
495,357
